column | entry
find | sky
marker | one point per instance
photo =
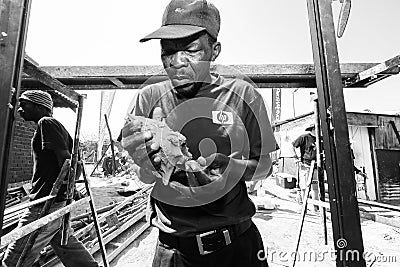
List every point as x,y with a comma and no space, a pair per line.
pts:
99,33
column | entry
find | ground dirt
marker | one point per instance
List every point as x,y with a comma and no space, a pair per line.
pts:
278,227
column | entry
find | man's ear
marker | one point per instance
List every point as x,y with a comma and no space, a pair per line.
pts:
216,49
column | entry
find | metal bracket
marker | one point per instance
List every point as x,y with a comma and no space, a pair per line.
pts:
343,17
374,74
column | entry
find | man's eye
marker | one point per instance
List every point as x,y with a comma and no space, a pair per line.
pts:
191,51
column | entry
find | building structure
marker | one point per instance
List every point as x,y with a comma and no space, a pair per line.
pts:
375,146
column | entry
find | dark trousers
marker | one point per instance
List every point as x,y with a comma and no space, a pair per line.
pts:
246,250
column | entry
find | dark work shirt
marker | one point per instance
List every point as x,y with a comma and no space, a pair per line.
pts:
229,114
308,150
49,137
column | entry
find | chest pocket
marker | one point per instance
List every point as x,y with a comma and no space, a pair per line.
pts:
205,138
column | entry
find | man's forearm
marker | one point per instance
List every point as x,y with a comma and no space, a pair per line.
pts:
146,176
251,170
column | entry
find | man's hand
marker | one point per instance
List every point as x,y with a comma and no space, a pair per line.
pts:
143,152
204,176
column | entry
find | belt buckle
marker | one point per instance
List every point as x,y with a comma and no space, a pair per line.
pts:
200,243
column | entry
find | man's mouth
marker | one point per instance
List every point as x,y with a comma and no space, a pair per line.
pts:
180,77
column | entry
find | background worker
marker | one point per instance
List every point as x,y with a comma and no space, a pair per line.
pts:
226,122
51,146
308,152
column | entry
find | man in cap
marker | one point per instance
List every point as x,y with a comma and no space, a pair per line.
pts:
51,145
203,212
308,152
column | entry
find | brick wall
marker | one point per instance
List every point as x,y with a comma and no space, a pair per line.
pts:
20,161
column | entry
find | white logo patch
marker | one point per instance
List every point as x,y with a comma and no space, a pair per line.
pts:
179,10
222,117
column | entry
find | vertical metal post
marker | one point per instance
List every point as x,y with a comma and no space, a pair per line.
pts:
99,161
320,166
72,173
343,202
95,217
371,134
14,17
114,167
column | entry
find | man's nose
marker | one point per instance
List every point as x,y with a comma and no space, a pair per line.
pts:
178,59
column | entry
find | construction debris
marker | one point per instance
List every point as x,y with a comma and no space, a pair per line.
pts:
114,220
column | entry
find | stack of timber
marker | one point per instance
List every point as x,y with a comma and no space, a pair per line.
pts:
16,197
16,203
390,192
115,220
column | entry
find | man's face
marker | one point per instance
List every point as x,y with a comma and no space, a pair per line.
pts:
27,110
187,61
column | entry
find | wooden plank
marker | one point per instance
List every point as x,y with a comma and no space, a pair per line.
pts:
360,119
120,246
118,231
381,205
127,242
120,205
44,211
38,74
29,228
375,70
26,205
319,203
380,219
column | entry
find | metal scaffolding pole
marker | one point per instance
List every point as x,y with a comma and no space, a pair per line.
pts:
346,226
72,173
14,16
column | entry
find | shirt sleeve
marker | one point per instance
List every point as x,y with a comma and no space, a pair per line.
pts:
139,104
53,138
298,142
261,138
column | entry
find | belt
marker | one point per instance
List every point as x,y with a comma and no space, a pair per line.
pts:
207,242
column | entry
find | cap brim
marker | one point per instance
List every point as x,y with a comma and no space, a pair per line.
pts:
22,97
173,32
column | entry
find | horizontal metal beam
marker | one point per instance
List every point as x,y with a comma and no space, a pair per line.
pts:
133,77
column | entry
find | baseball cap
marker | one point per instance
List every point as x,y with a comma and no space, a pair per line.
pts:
183,18
310,126
38,97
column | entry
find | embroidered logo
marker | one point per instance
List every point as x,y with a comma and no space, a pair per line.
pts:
222,117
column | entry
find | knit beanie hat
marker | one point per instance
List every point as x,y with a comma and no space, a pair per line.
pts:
38,97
